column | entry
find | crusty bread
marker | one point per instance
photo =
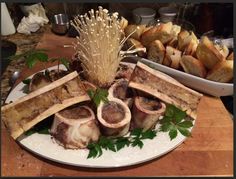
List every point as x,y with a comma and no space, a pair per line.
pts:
134,44
187,42
231,56
173,42
193,66
221,72
161,32
208,54
172,57
222,49
123,23
181,39
138,31
156,51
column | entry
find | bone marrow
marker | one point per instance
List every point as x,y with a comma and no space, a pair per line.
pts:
114,117
124,71
146,112
75,127
121,91
165,88
27,111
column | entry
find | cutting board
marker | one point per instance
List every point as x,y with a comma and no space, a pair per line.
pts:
209,152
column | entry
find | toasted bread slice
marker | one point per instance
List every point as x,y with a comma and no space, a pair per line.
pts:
222,49
123,23
187,42
172,57
138,31
208,54
193,66
161,32
156,51
134,44
231,56
221,72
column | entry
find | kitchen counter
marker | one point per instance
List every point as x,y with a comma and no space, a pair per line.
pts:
209,152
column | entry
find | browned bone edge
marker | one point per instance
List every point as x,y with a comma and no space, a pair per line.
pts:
168,99
55,108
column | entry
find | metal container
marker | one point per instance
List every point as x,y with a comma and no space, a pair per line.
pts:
60,24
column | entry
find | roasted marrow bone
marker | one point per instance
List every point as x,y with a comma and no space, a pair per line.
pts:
165,88
40,80
75,127
121,91
124,71
27,111
114,117
146,112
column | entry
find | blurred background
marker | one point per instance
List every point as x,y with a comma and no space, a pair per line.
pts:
204,17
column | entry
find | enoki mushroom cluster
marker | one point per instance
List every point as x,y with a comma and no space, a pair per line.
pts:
99,45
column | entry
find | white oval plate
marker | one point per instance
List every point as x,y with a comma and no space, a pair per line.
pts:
44,146
200,84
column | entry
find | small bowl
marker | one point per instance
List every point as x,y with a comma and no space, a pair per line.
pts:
60,24
167,14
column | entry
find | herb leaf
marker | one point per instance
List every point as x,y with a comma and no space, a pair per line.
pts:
115,144
186,124
27,81
173,133
184,131
149,134
121,143
174,120
98,95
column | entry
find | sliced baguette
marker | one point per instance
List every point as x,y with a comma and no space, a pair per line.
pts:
137,29
161,32
221,72
231,56
208,54
156,51
193,66
172,57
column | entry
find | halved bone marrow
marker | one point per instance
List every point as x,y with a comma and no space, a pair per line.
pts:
146,112
29,110
114,117
121,91
125,70
165,88
75,127
40,80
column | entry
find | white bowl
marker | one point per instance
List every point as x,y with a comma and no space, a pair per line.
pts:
212,88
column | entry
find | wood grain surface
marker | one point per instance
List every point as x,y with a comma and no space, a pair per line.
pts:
209,152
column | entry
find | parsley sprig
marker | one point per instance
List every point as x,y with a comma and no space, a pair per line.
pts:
98,95
115,144
174,120
39,55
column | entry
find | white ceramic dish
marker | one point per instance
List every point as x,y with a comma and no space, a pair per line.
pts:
44,146
200,84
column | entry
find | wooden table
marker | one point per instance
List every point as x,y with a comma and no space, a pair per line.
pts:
209,152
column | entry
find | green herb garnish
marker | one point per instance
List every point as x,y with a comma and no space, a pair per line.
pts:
27,81
115,144
39,55
174,120
42,127
98,95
